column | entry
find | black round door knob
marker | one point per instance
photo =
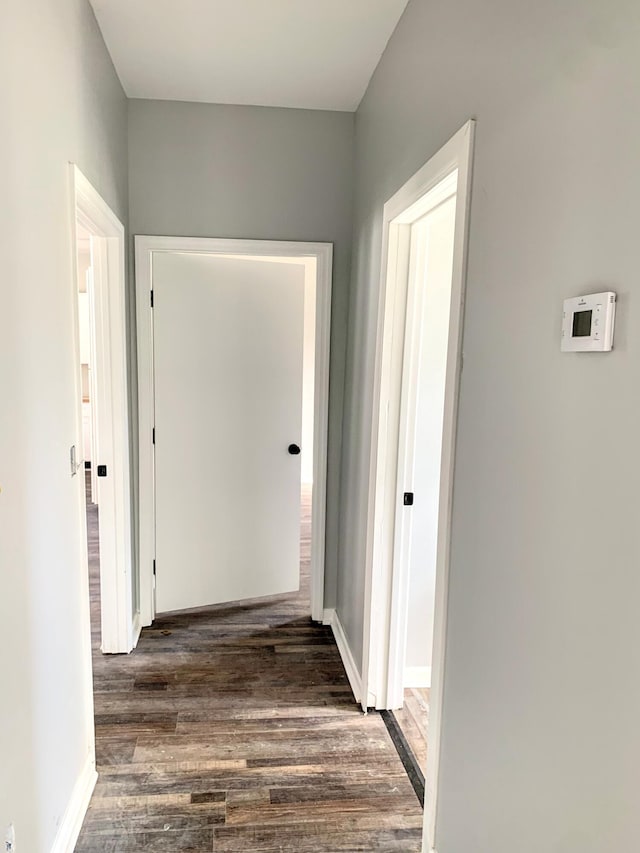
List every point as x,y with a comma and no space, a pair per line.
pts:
293,449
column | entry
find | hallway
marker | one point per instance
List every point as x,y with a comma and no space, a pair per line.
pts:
234,729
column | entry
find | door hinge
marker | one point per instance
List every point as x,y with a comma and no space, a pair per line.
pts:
153,435
152,298
154,568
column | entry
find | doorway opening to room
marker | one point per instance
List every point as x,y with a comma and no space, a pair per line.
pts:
100,457
233,349
88,450
420,439
418,362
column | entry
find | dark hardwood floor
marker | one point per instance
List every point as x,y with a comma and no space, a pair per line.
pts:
233,728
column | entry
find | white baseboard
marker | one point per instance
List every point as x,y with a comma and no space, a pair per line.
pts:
417,676
331,618
71,823
428,827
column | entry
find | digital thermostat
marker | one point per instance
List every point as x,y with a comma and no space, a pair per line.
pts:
587,323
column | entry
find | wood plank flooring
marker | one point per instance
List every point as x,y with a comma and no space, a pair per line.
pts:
233,728
413,720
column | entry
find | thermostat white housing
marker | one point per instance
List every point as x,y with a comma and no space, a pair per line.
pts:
587,323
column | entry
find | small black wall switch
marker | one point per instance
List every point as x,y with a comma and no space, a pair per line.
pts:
408,499
102,470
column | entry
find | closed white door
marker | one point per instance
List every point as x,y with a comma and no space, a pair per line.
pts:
228,357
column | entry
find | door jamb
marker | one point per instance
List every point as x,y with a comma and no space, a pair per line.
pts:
379,601
145,247
118,629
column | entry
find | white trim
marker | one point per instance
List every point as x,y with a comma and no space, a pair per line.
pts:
417,677
94,214
331,618
145,247
428,846
327,616
380,618
71,823
137,628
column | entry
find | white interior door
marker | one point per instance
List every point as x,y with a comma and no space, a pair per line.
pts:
422,402
228,358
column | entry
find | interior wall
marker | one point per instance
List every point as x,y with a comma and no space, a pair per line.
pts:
204,170
437,229
539,746
61,101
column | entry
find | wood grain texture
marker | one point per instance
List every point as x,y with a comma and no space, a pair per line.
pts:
413,720
233,728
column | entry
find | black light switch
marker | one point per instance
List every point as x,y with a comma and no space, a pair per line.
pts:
102,470
408,499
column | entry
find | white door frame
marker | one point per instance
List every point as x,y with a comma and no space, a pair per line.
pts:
119,628
145,247
385,589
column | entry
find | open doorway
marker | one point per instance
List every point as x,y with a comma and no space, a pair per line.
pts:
420,439
88,394
101,454
233,346
418,362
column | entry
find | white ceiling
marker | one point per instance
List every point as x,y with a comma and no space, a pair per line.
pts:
314,54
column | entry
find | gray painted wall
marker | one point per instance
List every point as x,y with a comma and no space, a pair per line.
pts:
540,745
61,101
540,742
204,170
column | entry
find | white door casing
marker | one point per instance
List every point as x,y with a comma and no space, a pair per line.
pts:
228,338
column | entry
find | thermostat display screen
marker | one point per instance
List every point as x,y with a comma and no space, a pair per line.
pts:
587,322
581,324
